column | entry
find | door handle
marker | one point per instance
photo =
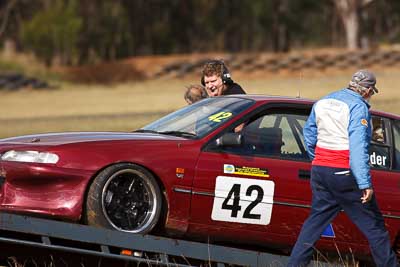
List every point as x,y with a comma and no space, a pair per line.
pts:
304,174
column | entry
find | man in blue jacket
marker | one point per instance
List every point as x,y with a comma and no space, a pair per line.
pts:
337,136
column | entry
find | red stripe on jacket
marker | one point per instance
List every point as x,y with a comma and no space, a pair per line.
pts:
331,158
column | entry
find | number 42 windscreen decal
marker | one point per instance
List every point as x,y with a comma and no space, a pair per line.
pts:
220,116
243,200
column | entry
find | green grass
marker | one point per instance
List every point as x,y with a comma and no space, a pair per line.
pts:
27,65
8,66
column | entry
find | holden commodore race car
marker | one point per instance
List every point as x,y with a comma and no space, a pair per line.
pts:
226,169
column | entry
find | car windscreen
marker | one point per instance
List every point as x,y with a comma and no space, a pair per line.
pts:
200,118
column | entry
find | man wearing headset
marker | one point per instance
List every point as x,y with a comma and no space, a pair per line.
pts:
217,80
337,136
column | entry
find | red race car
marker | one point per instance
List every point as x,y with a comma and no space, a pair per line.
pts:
225,169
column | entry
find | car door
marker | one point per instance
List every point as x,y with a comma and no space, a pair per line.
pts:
261,185
254,189
385,169
385,180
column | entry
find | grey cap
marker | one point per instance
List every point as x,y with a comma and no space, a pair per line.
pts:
365,79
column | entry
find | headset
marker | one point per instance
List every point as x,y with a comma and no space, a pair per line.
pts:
226,76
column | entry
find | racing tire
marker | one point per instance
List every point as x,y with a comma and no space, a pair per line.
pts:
124,197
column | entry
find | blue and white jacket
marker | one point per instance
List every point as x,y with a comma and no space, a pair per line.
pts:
338,132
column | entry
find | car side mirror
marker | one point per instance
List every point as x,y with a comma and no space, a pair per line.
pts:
229,139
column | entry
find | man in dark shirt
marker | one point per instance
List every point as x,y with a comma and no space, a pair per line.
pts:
217,80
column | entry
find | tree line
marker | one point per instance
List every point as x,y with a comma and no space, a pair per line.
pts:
73,32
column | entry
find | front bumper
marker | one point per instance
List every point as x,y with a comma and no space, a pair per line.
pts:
43,189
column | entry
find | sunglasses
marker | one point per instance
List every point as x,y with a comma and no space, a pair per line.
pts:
373,91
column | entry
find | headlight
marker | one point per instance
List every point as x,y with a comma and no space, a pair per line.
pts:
30,156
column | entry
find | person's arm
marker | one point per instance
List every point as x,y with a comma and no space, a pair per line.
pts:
310,132
359,139
367,195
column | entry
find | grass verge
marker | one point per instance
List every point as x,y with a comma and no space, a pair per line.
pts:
89,107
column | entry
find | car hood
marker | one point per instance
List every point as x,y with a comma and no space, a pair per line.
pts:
76,137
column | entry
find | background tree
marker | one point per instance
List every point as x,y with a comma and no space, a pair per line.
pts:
105,32
353,15
6,9
89,31
53,33
12,14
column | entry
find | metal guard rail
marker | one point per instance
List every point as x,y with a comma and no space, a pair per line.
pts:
88,240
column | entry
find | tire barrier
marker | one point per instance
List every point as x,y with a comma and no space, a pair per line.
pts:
290,62
19,81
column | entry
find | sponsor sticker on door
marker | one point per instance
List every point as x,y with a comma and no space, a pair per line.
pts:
244,170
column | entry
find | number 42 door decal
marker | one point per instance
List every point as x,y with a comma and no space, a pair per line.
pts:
243,200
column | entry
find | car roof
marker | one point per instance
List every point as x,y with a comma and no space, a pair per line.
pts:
275,98
300,100
385,114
